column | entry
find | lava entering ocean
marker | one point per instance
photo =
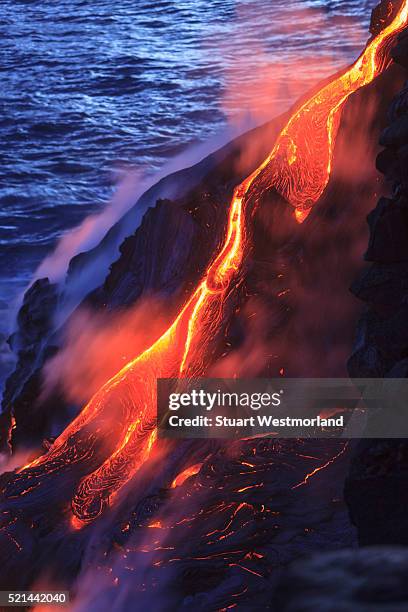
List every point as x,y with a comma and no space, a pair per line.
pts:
298,168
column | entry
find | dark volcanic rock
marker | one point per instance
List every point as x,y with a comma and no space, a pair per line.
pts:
346,581
396,134
388,233
400,51
399,105
149,261
376,492
224,535
383,285
376,488
383,14
35,323
35,316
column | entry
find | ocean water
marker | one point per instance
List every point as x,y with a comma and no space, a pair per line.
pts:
89,87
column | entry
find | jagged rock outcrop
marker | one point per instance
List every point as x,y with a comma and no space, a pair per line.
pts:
31,344
346,581
381,341
376,488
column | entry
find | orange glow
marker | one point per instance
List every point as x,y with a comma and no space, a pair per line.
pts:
10,431
321,467
300,164
155,525
301,214
182,477
298,168
76,524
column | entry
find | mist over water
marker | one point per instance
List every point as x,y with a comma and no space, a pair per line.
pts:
88,87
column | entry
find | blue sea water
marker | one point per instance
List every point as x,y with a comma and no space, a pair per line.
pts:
88,86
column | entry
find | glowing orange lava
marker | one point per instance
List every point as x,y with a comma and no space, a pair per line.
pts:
298,168
182,477
300,164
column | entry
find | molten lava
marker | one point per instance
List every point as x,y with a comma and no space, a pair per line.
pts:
182,477
298,168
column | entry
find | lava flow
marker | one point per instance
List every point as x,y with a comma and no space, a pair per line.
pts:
298,168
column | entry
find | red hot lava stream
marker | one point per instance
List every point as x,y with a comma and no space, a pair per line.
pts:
298,168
